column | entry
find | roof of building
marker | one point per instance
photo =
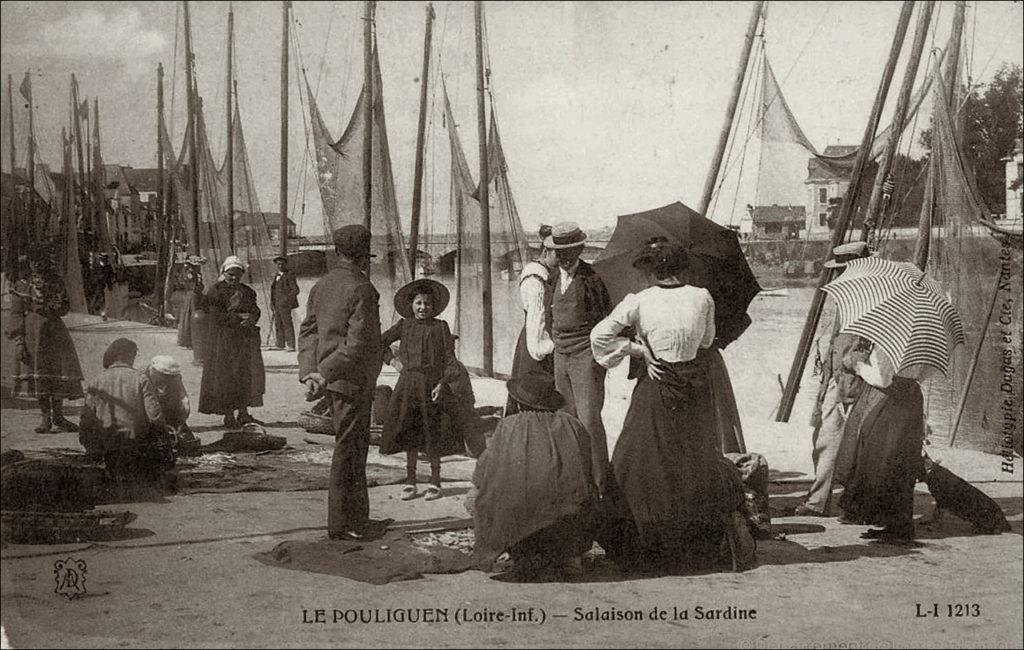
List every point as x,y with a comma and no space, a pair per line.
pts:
778,214
143,180
835,163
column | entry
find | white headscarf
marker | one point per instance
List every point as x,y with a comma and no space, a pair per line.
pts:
232,262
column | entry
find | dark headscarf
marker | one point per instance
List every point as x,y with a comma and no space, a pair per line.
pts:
123,350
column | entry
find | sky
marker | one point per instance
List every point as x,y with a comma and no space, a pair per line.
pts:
604,108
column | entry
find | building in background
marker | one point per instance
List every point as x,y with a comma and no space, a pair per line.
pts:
1014,175
775,222
828,177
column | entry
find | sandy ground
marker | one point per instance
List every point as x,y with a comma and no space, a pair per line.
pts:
184,574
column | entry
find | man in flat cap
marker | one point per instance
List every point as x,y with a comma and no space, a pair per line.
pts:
579,301
838,390
340,355
284,297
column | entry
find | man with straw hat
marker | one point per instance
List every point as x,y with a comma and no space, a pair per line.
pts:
579,301
838,390
340,356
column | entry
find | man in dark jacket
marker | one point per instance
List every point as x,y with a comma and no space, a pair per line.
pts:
578,303
340,354
284,297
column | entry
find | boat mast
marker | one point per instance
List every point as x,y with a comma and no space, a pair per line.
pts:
162,230
485,206
730,111
76,133
230,163
953,69
193,122
796,370
417,187
898,120
283,232
369,88
14,183
31,164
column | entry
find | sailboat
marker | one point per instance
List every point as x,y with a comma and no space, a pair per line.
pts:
478,252
975,406
222,215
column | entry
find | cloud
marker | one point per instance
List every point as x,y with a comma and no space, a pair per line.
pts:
93,35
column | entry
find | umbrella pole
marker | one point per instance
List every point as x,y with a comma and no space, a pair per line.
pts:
974,365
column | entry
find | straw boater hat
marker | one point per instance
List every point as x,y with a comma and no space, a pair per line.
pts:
847,253
536,393
405,295
165,365
565,235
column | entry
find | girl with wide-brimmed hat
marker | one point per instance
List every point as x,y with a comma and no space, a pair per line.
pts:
422,413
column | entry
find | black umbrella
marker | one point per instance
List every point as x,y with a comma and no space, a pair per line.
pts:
716,262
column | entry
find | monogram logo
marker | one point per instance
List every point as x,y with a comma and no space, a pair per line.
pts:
69,575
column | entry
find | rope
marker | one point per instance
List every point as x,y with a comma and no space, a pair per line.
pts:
307,157
174,66
734,134
785,77
743,154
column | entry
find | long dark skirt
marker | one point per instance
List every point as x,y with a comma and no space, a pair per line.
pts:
536,494
880,487
185,312
524,365
54,370
233,372
671,486
414,421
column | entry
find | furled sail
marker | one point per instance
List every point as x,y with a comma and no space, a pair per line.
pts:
340,178
508,246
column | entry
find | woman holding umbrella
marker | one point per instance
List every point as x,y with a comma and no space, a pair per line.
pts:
672,497
913,329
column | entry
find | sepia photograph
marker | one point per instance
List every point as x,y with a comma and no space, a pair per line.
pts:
528,324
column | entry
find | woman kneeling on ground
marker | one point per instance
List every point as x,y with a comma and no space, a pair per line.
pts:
536,497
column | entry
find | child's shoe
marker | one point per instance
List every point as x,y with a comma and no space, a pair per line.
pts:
409,493
433,493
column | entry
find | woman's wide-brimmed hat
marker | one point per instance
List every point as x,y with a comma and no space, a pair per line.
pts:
662,256
565,235
535,392
405,295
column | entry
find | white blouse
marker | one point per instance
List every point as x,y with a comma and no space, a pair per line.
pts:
675,322
879,370
531,294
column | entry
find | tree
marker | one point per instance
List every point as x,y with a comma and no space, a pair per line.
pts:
992,121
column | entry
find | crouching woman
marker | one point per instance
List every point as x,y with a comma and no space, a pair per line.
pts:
536,496
122,421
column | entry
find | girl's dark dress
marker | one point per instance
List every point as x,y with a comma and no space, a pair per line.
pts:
233,374
413,420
